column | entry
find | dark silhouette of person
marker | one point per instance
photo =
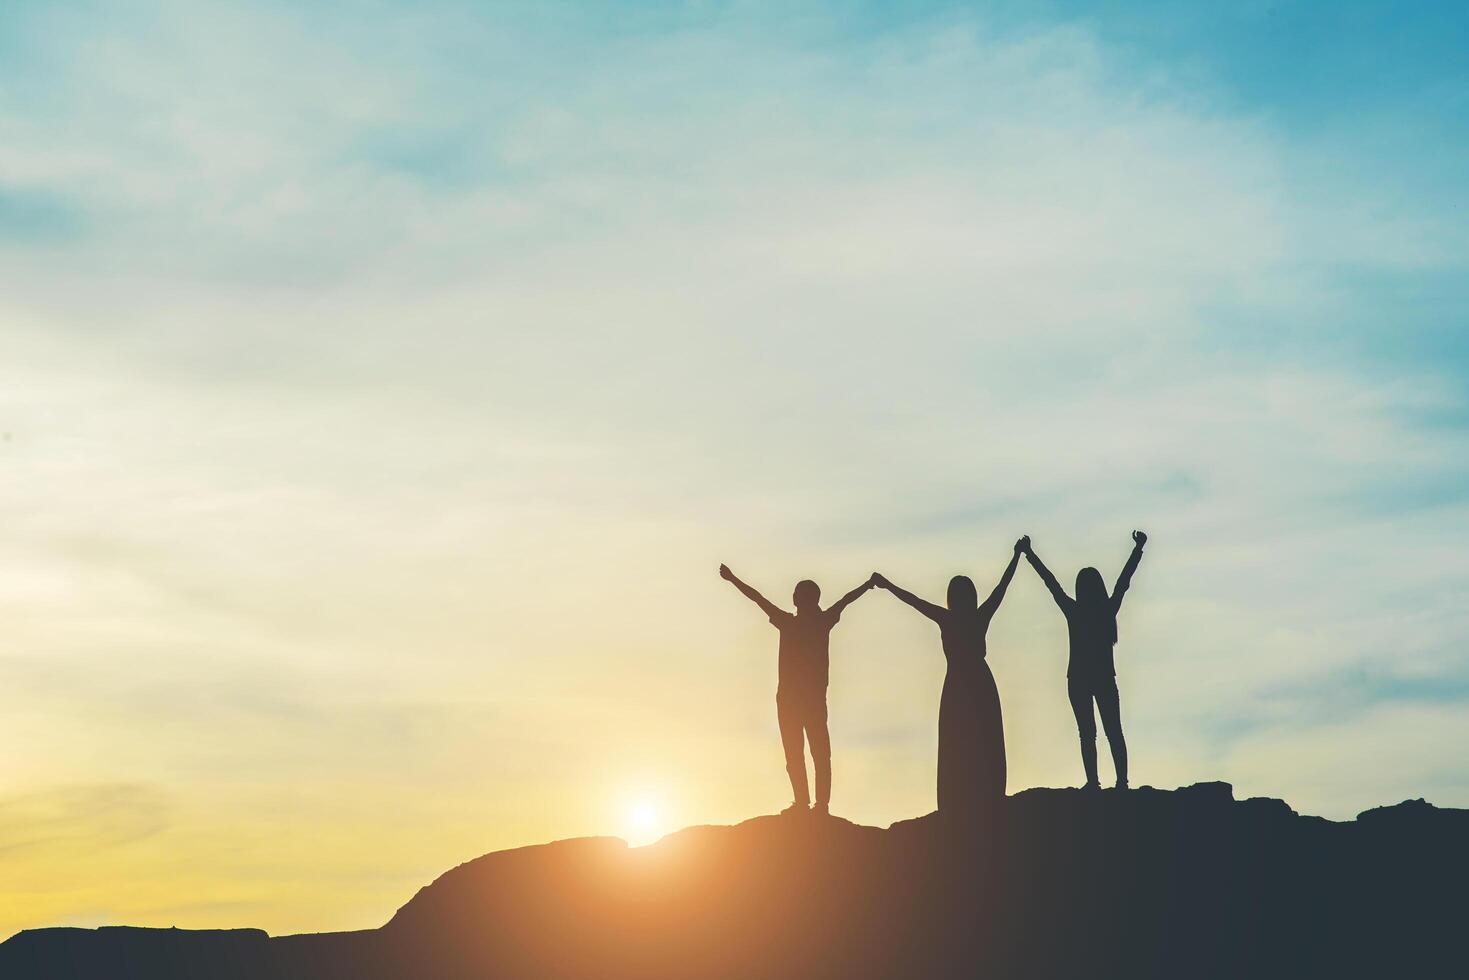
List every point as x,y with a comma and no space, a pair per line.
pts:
800,694
1091,673
971,776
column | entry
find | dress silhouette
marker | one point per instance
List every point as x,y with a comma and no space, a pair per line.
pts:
1091,672
971,774
800,696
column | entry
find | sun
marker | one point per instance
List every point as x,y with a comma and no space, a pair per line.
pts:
643,820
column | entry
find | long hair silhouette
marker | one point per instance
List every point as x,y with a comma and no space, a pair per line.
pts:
1095,605
962,594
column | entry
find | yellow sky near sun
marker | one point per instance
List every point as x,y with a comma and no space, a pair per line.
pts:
176,780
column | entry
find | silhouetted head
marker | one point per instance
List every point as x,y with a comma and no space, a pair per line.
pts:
961,594
1091,589
1095,604
807,595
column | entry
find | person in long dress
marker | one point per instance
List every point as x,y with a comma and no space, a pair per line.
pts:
971,776
1091,672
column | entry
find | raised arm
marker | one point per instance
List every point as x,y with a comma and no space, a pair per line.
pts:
836,608
991,604
935,613
1125,579
768,607
1059,594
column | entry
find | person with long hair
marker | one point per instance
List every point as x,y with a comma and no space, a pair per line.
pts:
1091,672
971,775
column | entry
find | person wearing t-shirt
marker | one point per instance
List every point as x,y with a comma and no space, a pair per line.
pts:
800,696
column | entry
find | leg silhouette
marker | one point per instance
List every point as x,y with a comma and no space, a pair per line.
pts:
1110,707
1086,726
792,724
820,741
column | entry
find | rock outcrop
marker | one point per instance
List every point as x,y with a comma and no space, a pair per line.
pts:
1061,883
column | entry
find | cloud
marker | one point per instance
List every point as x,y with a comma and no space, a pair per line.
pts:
80,820
1380,757
34,218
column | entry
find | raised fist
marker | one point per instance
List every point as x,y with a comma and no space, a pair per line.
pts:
1140,538
725,573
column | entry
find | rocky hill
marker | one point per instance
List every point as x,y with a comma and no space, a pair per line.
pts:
1148,883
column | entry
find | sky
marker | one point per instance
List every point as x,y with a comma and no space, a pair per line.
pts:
382,384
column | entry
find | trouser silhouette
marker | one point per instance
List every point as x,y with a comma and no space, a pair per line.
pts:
802,719
1103,690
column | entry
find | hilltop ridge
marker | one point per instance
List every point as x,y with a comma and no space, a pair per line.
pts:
1153,883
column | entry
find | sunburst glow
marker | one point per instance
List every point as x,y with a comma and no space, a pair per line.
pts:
644,821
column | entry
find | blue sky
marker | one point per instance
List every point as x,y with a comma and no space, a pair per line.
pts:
383,384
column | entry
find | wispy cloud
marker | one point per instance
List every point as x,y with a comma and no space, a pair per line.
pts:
80,820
